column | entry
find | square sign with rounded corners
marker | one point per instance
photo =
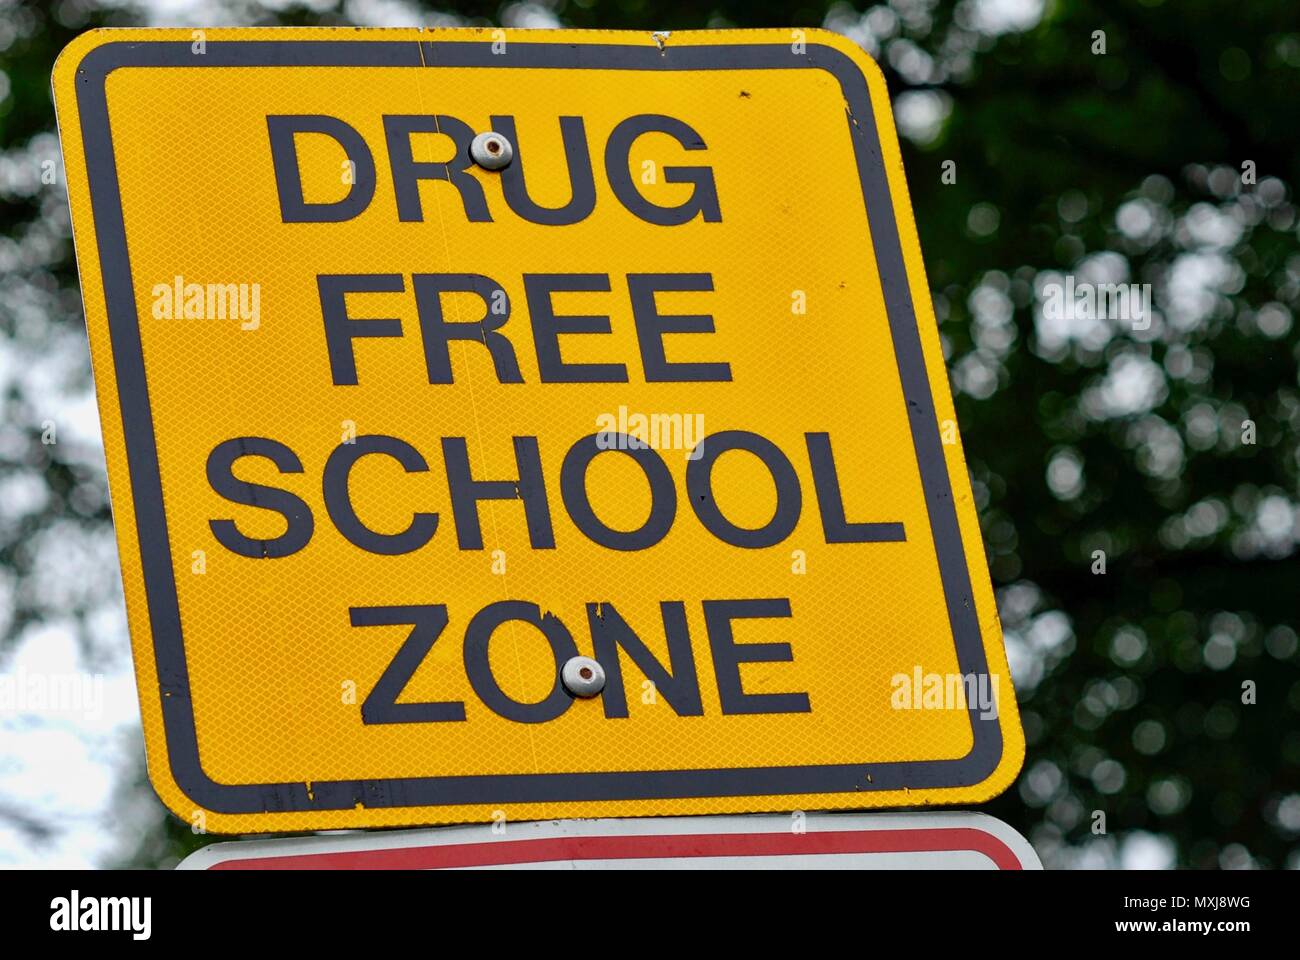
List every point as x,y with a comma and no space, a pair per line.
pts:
432,362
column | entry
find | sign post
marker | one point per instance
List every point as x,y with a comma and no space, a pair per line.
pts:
526,425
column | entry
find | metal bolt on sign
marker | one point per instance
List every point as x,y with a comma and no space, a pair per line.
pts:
491,151
583,677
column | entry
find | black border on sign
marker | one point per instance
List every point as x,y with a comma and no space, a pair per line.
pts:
146,485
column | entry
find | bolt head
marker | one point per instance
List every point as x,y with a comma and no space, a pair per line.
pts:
583,677
491,151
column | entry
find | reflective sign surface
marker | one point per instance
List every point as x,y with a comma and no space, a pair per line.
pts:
400,419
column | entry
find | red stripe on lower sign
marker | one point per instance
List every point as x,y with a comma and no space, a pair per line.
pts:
503,852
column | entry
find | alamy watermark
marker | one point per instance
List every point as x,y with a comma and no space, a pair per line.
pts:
919,690
1083,300
627,430
70,693
75,913
180,300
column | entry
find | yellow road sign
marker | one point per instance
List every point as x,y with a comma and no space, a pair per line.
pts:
402,419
